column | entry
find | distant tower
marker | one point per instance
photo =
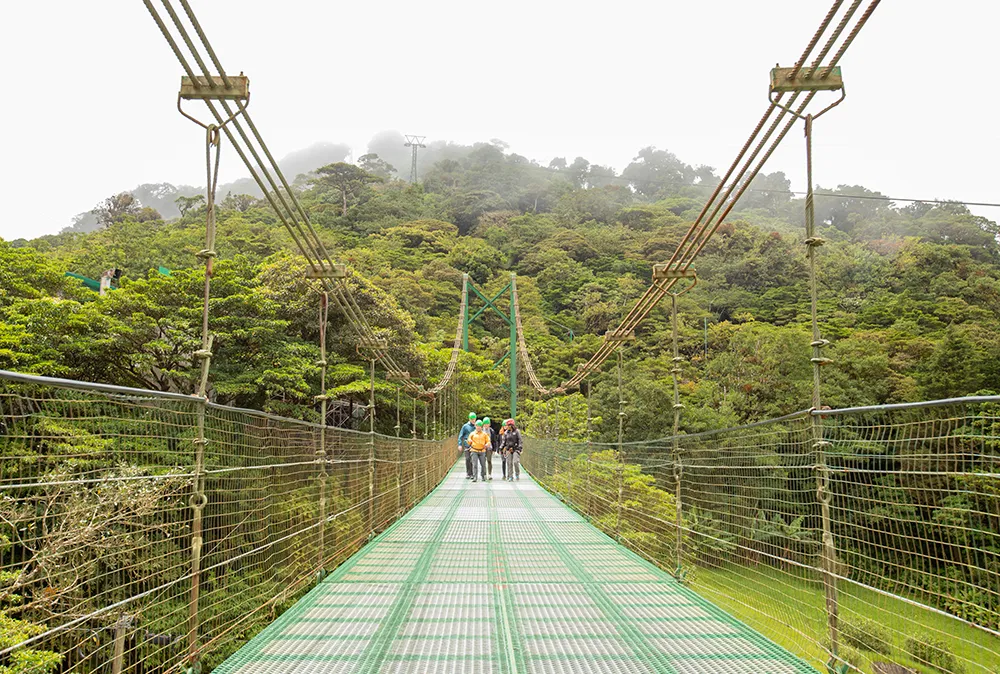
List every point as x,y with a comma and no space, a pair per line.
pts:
416,142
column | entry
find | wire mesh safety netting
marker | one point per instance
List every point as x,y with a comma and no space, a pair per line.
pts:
863,539
103,491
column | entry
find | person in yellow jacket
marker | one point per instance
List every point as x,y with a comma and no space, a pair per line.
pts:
479,442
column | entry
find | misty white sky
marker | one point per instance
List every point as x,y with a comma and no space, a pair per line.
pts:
89,106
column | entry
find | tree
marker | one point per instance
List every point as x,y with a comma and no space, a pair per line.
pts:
578,171
839,207
600,176
654,171
348,180
377,166
769,191
239,202
116,208
185,204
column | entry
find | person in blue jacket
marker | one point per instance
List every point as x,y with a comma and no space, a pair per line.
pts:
463,443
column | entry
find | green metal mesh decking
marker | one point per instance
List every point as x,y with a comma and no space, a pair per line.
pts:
501,577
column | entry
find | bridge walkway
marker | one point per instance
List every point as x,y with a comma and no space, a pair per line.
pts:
502,578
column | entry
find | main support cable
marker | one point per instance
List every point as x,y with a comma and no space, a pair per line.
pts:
268,176
457,346
522,349
746,168
704,227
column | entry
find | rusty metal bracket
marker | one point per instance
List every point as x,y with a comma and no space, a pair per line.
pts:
805,79
203,89
786,79
663,272
336,271
365,343
615,337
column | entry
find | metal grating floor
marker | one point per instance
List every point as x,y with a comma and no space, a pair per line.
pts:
500,577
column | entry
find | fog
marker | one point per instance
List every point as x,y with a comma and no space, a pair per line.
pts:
97,114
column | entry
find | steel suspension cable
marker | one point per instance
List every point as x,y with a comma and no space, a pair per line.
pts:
703,229
316,251
283,201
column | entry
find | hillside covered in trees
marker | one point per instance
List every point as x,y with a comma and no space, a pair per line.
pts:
910,294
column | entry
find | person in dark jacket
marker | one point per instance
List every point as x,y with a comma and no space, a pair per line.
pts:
512,447
463,443
500,451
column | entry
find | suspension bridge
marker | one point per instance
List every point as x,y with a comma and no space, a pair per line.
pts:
150,531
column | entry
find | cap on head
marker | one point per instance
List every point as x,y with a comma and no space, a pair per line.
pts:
486,421
472,416
479,424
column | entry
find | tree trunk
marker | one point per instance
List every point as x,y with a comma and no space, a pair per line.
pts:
343,193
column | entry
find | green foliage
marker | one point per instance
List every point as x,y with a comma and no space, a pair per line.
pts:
933,652
908,296
867,635
711,543
27,660
591,481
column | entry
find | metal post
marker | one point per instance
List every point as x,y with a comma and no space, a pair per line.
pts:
823,494
678,465
621,458
572,456
513,348
371,450
590,461
321,456
425,420
399,459
198,499
465,317
706,339
122,625
397,427
414,142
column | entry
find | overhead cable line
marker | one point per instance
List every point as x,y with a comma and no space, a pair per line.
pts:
832,195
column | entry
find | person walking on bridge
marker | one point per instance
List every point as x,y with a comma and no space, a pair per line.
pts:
488,427
463,443
512,446
500,450
479,442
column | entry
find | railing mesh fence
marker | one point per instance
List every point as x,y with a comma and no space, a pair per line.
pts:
913,517
98,490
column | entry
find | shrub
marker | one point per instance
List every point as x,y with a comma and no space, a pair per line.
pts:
867,635
933,653
852,657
